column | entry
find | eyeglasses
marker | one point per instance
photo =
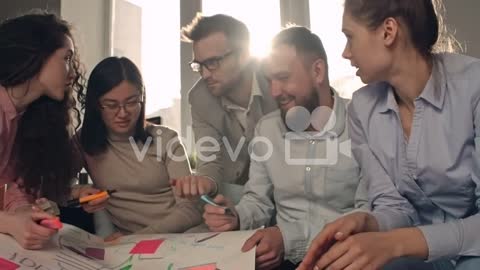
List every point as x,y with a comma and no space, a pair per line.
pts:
114,108
211,64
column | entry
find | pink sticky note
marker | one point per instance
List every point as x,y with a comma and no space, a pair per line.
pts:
210,266
8,265
146,246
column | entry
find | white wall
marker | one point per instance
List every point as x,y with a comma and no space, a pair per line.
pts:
91,21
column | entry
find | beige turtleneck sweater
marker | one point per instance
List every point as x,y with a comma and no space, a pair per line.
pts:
145,202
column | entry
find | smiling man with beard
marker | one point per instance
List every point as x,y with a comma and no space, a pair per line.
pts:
226,102
305,181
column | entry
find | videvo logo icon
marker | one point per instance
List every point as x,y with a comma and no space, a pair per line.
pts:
315,128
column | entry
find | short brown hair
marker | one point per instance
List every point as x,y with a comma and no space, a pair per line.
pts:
304,41
201,26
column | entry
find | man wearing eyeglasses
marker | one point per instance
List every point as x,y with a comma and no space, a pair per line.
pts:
226,102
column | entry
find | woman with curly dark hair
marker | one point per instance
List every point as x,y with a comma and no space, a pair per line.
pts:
39,72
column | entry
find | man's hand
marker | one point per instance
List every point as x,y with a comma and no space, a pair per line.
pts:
193,186
270,249
216,218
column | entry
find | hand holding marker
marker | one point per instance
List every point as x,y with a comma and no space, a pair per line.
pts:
209,200
53,223
86,199
51,208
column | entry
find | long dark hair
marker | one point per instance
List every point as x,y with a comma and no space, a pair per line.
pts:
43,152
108,74
422,18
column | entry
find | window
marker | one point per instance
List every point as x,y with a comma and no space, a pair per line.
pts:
326,22
156,51
253,13
156,48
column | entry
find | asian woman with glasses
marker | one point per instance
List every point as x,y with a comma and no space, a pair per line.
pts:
122,152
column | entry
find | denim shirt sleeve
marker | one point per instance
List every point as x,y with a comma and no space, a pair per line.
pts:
390,209
460,237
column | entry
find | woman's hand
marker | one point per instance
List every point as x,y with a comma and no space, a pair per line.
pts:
335,231
369,251
193,186
25,228
95,205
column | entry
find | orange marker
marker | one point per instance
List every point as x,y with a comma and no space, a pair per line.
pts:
86,199
53,223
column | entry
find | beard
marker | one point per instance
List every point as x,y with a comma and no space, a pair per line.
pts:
310,104
237,78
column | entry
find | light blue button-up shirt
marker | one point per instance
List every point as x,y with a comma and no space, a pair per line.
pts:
433,179
303,180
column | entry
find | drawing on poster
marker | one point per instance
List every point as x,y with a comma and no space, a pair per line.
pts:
208,266
202,238
8,265
147,246
75,249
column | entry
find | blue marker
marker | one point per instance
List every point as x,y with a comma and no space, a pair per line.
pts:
210,201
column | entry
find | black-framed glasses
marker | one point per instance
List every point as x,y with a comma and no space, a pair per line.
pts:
211,63
114,107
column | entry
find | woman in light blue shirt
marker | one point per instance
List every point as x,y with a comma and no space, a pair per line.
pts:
415,131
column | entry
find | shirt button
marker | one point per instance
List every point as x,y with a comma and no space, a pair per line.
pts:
308,169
